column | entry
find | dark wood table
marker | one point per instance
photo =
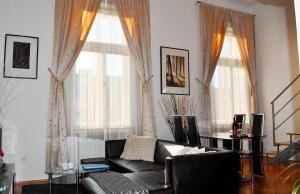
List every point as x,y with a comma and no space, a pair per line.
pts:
233,143
10,178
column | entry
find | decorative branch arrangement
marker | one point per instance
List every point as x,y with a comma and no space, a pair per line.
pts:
177,105
7,89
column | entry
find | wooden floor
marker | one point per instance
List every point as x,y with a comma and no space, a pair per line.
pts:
270,184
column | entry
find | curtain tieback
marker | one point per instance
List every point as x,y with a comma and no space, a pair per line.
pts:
206,87
252,90
57,79
146,82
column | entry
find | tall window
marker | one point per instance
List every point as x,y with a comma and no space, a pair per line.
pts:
230,88
103,92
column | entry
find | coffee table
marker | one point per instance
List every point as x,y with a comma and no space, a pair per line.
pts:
68,177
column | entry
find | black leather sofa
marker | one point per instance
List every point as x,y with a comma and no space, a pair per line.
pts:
206,173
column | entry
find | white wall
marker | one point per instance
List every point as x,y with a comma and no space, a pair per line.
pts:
297,12
277,63
29,112
174,23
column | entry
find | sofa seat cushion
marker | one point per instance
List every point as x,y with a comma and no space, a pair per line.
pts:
136,165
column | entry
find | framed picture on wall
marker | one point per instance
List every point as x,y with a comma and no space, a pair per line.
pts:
21,57
174,71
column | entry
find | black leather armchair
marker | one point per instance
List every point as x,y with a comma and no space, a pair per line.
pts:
204,173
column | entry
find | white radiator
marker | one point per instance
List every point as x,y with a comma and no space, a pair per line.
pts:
88,148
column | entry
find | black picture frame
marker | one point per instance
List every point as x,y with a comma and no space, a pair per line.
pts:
21,56
182,55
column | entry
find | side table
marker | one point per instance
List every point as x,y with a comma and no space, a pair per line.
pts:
67,176
10,178
62,173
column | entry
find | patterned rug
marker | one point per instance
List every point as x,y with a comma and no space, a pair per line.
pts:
44,189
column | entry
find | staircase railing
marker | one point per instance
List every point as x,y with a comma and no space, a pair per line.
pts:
274,114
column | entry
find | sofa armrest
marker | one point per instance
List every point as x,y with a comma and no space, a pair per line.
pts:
216,172
114,148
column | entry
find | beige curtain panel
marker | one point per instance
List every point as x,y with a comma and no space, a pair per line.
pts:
73,19
214,22
135,19
243,29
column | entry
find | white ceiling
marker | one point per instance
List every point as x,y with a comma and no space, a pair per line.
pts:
245,2
265,2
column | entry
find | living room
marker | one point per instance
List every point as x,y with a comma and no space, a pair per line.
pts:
173,24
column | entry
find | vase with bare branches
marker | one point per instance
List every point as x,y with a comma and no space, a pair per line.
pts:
177,105
7,97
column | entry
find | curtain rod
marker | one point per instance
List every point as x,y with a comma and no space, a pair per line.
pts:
200,2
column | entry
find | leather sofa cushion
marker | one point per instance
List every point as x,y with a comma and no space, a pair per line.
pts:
136,165
113,148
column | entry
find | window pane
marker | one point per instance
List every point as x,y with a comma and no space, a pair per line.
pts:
118,90
229,85
114,65
102,86
88,61
230,47
107,29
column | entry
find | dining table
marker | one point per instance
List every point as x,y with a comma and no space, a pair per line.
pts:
233,142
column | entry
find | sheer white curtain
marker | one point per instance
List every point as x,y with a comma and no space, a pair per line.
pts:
102,89
230,88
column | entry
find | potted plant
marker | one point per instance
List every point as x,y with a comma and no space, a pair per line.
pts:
290,174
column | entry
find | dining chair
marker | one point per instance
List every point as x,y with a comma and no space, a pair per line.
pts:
180,136
192,131
239,121
257,132
255,149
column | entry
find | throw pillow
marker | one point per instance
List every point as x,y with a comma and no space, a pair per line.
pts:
191,150
139,148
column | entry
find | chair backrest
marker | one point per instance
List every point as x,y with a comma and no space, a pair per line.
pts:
180,136
192,130
257,125
239,120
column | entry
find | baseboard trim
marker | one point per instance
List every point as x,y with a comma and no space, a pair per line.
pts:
32,182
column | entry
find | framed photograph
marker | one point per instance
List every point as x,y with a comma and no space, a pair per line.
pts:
21,57
174,71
